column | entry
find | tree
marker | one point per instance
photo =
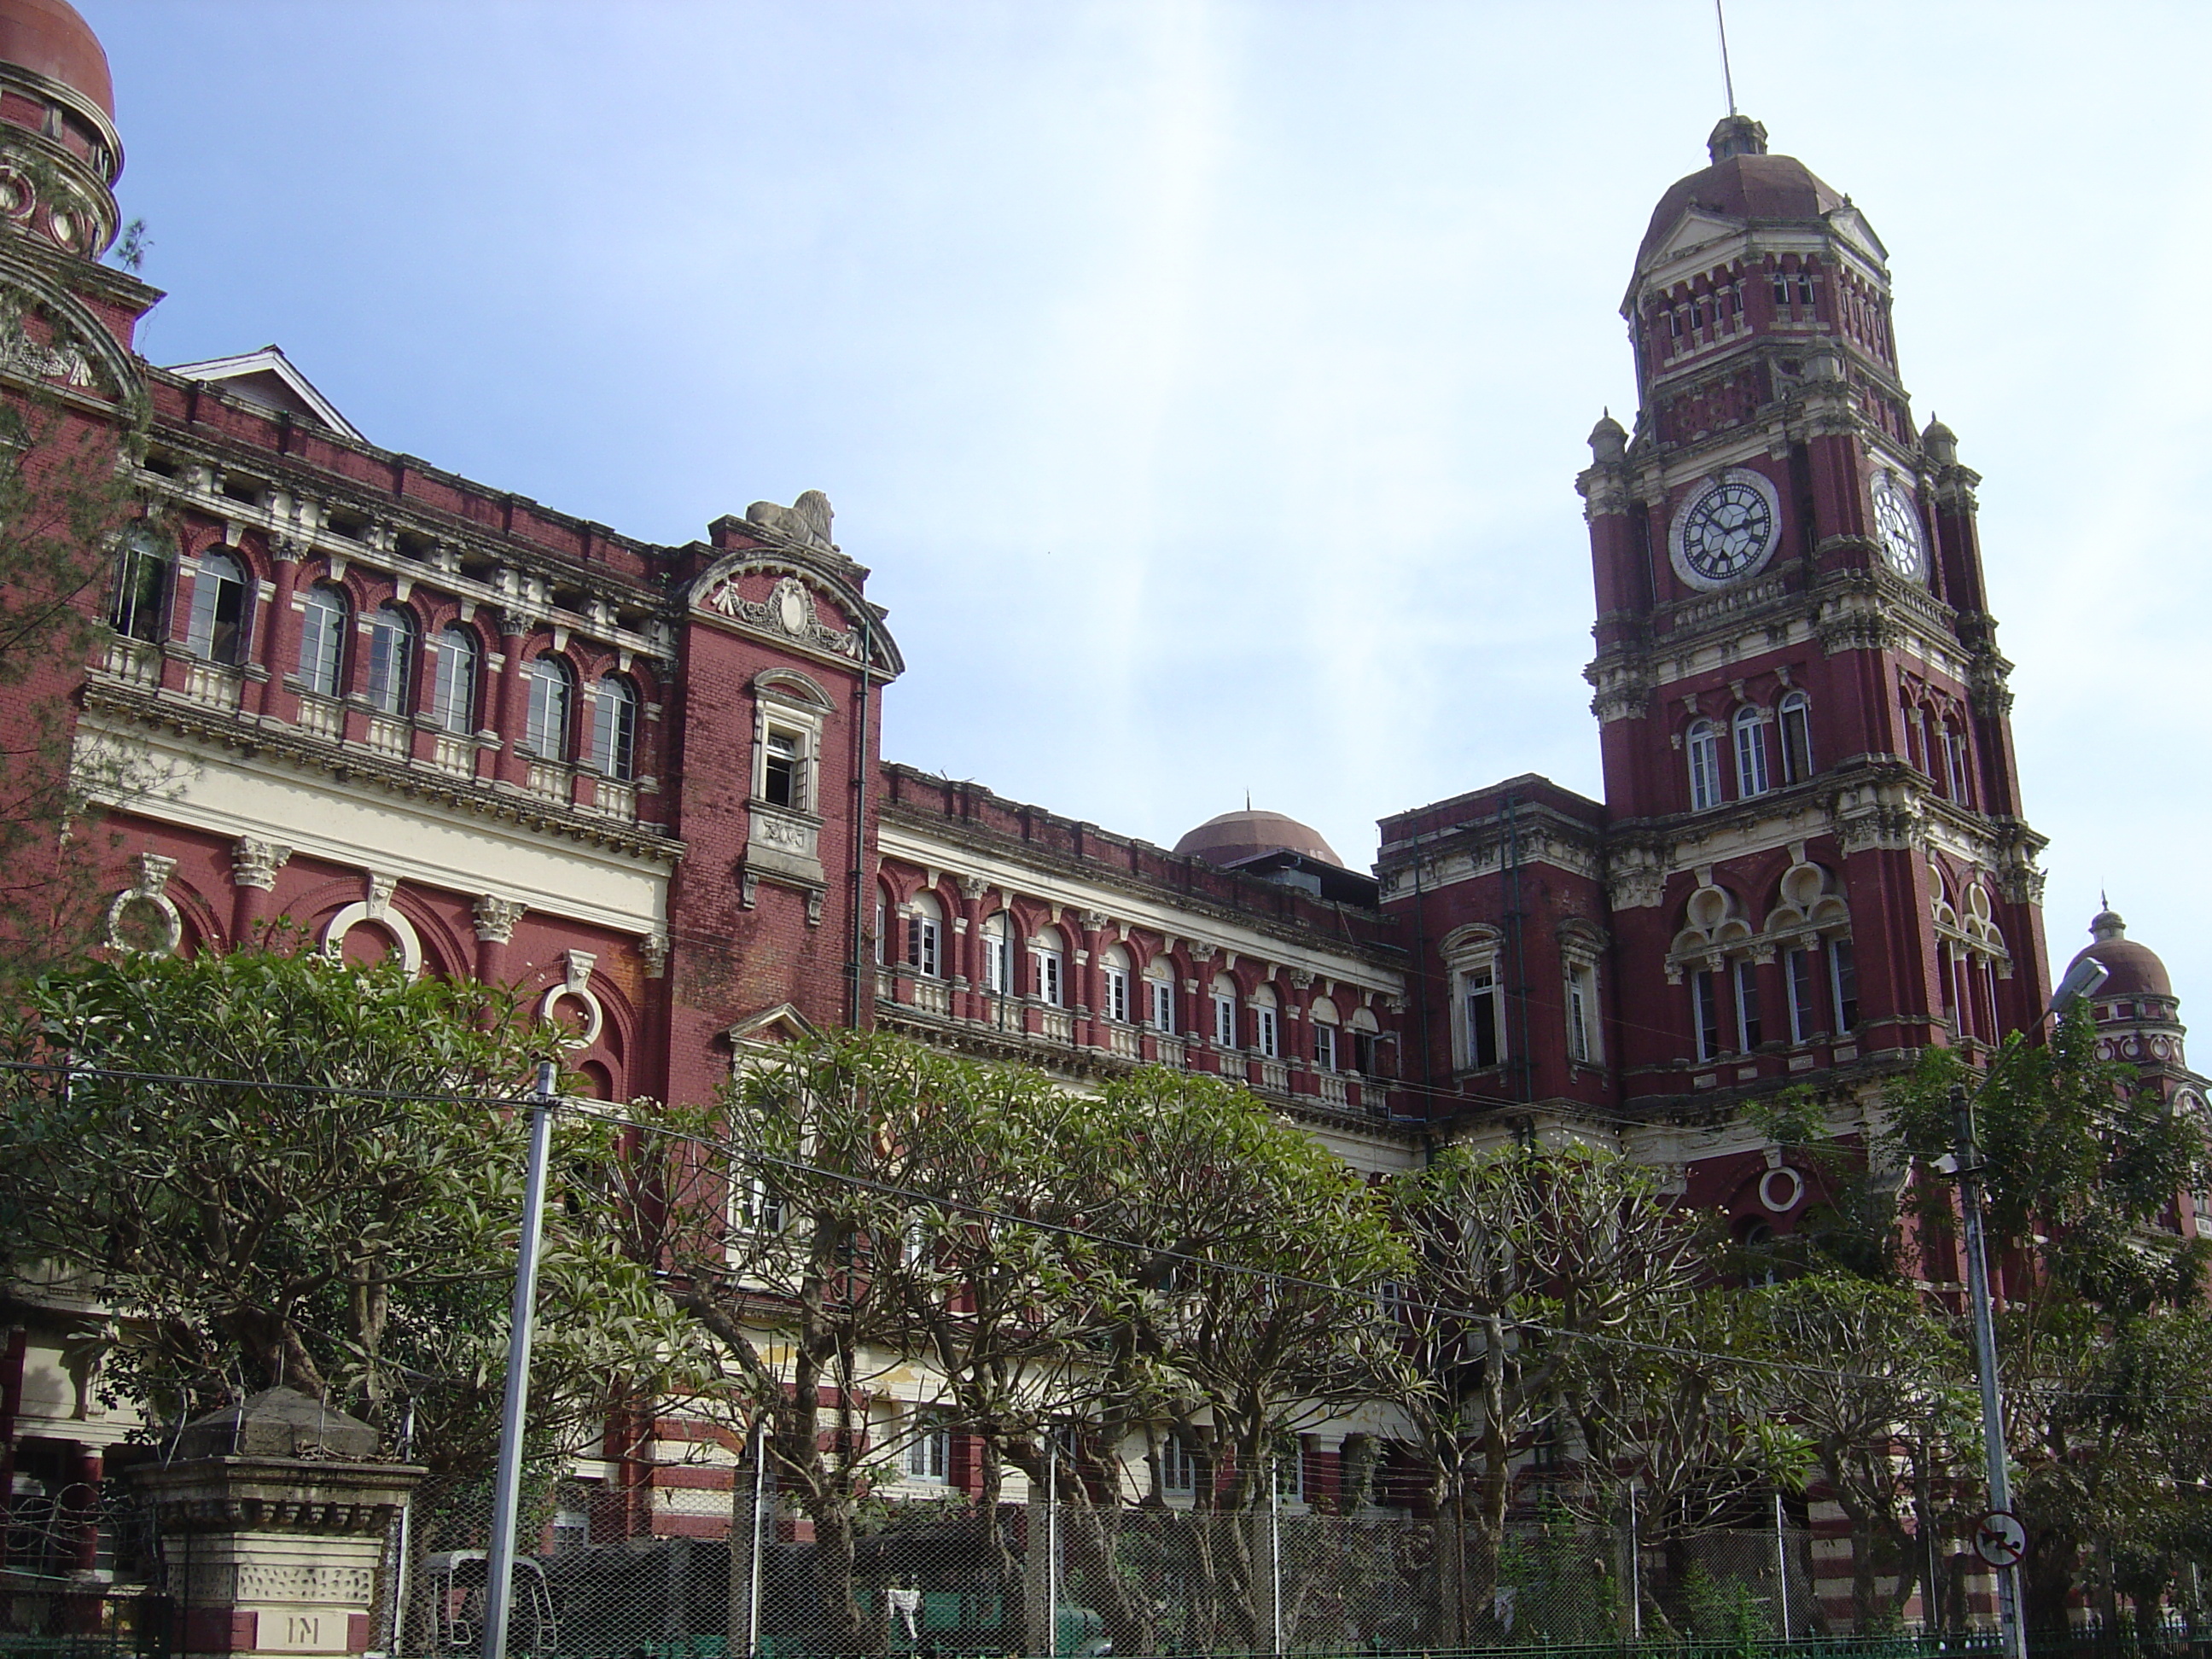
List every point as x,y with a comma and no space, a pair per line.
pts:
271,1167
1534,1262
2083,1170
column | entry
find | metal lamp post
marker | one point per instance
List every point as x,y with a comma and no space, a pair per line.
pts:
2081,978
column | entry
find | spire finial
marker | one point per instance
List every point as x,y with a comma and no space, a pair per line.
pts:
1248,800
1728,80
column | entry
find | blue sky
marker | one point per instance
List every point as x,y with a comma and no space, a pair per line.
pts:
1204,383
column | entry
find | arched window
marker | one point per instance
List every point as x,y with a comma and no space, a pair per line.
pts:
1049,958
925,936
552,690
140,609
1957,776
614,727
1224,1011
1159,994
322,640
453,692
1113,983
1703,750
1751,777
217,629
1266,1028
1323,1015
1795,714
998,952
391,658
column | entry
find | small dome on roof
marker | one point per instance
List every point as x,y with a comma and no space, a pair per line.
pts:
1744,182
1232,837
2134,970
48,37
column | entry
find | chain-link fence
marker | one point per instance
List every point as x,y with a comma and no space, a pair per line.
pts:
677,1572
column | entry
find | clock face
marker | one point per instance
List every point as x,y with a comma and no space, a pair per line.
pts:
1726,530
1897,526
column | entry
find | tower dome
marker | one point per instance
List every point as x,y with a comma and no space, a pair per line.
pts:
2133,969
1743,182
1234,837
48,38
59,155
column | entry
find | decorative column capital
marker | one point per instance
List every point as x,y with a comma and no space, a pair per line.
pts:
495,918
255,863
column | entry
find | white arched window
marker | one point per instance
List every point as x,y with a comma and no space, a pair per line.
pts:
1325,1041
1751,775
453,687
1224,1011
217,629
141,607
1267,1022
1704,750
1113,983
925,935
614,727
552,691
1049,962
1159,994
391,658
322,640
1795,716
998,952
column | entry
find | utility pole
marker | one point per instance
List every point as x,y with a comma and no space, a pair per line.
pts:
1985,1358
506,1496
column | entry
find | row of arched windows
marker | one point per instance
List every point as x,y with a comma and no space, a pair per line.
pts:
1770,748
441,678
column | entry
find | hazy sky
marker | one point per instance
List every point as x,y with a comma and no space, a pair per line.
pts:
1204,383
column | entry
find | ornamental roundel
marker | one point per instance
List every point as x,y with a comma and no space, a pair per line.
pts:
1726,530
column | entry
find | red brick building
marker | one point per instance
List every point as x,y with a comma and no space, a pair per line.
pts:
404,710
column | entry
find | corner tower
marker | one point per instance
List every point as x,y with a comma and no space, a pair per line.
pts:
1815,827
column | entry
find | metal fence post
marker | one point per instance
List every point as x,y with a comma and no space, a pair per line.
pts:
1781,1565
1052,1549
753,1584
1635,1573
1275,1550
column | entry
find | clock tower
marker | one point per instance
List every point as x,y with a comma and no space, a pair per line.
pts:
1814,856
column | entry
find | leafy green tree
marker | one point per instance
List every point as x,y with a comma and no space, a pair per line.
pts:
2083,1169
1536,1262
271,1167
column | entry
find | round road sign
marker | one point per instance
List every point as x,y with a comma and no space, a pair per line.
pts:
2000,1539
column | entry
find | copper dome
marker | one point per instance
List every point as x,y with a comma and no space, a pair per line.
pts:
1744,182
1235,836
2134,970
48,37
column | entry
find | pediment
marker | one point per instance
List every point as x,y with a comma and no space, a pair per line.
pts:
790,603
267,376
1694,230
1847,222
778,1025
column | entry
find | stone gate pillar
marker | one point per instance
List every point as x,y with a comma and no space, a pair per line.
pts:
273,1516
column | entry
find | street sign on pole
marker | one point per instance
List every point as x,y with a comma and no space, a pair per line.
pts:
2000,1539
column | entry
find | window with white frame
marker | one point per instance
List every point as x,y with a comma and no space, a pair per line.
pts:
453,683
140,609
1224,1011
1159,994
614,727
929,1445
1804,1016
1957,778
1751,777
391,658
1178,1467
1365,1033
1266,1030
1703,748
757,1207
215,628
1291,1474
1324,1046
552,694
1328,1045
1843,981
1582,1012
1794,715
1749,1031
1482,1017
783,768
1049,962
925,935
1705,1009
1113,983
323,616
998,953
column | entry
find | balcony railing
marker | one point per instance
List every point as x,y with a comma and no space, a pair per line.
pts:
1126,1041
932,996
388,735
1171,1049
322,717
456,754
134,662
611,799
549,779
1056,1025
212,684
1275,1076
1333,1089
